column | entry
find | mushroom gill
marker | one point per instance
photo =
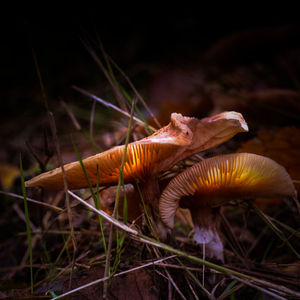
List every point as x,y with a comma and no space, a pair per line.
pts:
210,183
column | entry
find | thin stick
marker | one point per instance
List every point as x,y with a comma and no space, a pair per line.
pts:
56,208
106,216
92,120
259,288
22,216
71,115
69,212
206,292
27,221
170,279
146,240
107,262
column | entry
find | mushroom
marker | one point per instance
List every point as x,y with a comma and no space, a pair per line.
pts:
147,158
213,182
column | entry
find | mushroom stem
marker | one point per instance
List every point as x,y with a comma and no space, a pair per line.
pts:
206,230
150,193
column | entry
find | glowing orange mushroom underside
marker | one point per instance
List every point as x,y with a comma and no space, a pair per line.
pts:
142,159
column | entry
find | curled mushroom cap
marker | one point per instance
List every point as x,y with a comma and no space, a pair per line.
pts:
216,180
182,137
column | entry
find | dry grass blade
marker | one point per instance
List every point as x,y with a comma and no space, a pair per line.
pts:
229,292
107,104
138,95
107,263
169,277
115,88
69,212
56,208
240,253
202,287
265,291
21,215
92,120
255,282
108,277
106,216
71,115
275,229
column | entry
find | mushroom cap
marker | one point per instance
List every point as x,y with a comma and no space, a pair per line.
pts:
216,180
182,137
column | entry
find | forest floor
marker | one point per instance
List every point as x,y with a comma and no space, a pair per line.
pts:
253,71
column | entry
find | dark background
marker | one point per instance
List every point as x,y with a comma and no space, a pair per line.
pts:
175,36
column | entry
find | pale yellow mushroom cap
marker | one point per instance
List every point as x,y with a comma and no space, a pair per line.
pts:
219,179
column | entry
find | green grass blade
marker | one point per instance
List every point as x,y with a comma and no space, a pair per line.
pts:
28,229
244,278
112,76
146,213
275,230
92,191
229,287
205,291
125,208
97,204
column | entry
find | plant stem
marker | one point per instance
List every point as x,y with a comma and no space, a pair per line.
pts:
27,224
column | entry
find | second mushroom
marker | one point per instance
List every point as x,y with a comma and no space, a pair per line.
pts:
211,183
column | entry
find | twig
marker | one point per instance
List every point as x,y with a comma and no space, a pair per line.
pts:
69,212
169,277
92,120
22,216
202,287
70,114
245,281
36,156
146,240
106,216
190,286
56,208
107,263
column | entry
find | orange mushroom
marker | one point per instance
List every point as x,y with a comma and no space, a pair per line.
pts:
148,157
207,185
